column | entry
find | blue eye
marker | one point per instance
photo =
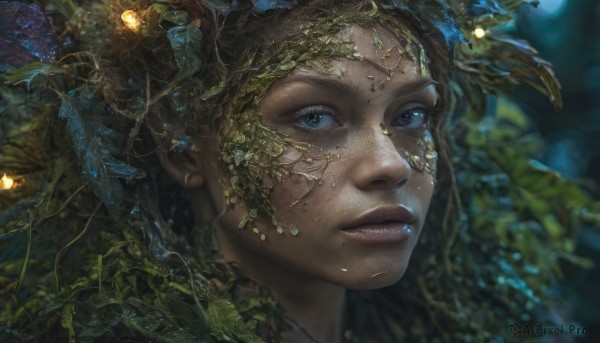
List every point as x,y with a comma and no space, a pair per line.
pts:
413,119
316,117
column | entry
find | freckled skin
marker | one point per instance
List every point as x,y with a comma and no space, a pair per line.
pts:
366,170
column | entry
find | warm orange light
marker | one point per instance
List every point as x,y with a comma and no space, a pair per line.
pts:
131,19
6,182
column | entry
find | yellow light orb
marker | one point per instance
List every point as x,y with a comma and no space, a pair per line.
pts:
131,19
6,182
479,32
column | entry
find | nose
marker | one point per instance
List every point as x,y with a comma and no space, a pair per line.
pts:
379,164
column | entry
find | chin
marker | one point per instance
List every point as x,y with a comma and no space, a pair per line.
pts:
369,280
370,284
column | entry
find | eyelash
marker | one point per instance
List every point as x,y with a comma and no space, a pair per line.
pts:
417,108
313,110
429,114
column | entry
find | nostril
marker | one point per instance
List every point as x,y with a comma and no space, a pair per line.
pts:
388,182
378,182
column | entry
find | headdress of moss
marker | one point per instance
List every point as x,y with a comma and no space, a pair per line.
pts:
96,244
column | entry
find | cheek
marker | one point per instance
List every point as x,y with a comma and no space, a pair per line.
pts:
315,203
422,189
418,149
304,189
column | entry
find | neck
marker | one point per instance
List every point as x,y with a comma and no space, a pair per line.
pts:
316,308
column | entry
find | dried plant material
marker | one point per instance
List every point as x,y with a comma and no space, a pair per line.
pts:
97,232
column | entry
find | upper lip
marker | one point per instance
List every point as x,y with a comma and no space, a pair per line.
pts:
384,214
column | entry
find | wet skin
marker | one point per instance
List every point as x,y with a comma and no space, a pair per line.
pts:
360,129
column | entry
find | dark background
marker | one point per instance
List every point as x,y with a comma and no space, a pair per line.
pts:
567,33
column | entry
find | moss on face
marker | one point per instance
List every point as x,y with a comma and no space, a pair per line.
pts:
254,154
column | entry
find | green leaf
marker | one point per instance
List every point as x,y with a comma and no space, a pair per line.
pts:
176,17
152,18
186,315
526,66
213,91
224,318
219,6
592,217
511,112
65,7
186,44
67,320
27,73
110,191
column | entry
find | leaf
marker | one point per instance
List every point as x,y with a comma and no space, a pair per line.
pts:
140,317
94,144
65,7
511,112
27,73
67,320
434,15
186,315
517,43
25,35
527,67
451,33
477,8
223,317
220,6
212,92
514,56
266,5
186,44
121,170
108,190
175,17
14,211
551,83
592,217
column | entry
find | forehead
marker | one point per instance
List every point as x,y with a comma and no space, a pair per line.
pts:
382,46
360,52
387,54
379,58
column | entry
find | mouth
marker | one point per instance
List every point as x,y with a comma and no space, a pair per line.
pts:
383,226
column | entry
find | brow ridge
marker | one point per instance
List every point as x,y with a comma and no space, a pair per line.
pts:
352,91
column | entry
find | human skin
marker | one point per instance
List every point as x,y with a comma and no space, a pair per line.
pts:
366,172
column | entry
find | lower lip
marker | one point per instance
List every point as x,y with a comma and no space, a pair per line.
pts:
393,232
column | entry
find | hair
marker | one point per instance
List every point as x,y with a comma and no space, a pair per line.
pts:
230,42
243,35
181,73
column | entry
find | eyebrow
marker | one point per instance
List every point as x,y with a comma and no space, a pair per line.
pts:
352,91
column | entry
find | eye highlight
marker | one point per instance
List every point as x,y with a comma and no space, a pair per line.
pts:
413,118
317,117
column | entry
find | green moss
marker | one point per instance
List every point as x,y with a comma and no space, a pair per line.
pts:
498,227
254,153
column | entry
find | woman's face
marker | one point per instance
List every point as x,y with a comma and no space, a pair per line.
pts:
356,218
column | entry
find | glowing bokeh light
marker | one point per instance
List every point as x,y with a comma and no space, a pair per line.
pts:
6,182
131,20
479,32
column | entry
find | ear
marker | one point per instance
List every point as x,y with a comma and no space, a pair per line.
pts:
187,167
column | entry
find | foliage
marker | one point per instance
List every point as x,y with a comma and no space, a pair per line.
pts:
92,240
434,15
27,73
94,145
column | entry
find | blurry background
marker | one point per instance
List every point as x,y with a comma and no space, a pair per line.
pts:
567,33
